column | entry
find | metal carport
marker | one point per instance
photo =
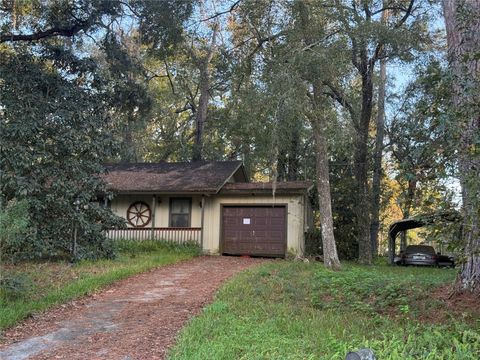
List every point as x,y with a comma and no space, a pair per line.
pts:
413,223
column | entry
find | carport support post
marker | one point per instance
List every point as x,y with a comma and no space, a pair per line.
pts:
202,221
391,248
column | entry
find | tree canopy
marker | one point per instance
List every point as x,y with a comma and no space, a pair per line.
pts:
296,89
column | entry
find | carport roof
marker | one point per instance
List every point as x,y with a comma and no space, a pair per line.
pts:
180,177
415,222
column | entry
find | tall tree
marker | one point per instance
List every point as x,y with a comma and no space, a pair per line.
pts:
462,19
378,151
203,65
54,137
54,129
319,123
121,65
280,37
319,126
370,41
190,72
377,157
158,35
55,113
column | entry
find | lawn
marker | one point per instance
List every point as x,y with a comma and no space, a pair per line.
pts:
36,287
295,310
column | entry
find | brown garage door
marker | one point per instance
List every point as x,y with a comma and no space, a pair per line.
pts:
254,230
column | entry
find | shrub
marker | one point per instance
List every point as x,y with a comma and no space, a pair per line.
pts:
14,230
313,242
26,237
53,149
14,287
347,248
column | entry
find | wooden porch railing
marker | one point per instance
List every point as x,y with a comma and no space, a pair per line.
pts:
172,234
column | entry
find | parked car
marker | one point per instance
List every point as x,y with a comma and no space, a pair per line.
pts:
423,255
445,260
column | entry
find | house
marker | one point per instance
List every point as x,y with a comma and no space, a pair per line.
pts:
211,203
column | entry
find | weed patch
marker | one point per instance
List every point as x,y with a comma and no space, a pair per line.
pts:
290,310
28,288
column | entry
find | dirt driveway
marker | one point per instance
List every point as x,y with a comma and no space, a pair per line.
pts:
137,318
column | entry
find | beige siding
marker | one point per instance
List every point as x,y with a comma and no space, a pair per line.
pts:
120,204
295,218
296,224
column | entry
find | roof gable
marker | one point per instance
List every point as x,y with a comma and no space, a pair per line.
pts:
187,177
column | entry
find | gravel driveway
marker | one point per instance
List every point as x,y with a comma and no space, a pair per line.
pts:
136,318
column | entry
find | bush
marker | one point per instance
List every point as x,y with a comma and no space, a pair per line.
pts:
56,224
14,230
14,287
313,242
26,236
347,248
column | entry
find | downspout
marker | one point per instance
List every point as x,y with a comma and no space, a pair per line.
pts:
202,221
154,208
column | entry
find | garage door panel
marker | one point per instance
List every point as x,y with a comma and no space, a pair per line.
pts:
245,234
229,212
276,234
260,211
259,234
277,221
254,230
231,221
271,247
244,212
231,235
260,221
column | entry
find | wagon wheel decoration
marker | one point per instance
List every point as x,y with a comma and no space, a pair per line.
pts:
139,214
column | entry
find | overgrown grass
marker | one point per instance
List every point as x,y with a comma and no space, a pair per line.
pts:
35,287
291,310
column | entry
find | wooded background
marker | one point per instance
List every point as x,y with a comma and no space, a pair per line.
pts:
366,98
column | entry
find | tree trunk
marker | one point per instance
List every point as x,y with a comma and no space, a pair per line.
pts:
201,113
361,207
282,165
377,157
462,20
412,185
293,158
204,87
129,151
319,126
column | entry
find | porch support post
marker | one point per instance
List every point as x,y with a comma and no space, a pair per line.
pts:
154,208
202,221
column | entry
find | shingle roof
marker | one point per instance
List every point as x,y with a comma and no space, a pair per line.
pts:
186,177
267,187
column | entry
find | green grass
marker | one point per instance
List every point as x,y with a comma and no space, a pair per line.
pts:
39,286
291,310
